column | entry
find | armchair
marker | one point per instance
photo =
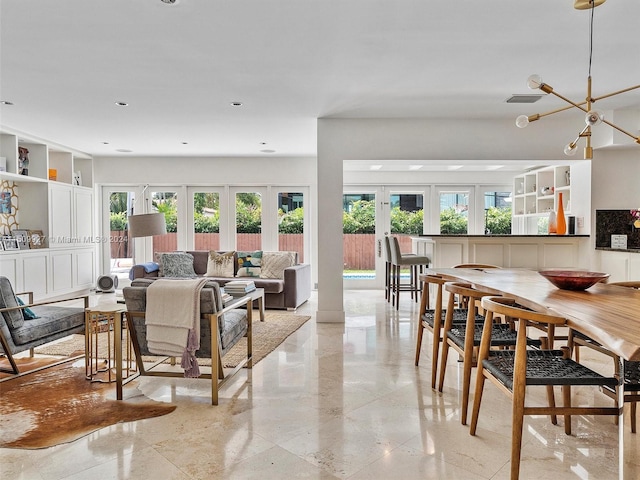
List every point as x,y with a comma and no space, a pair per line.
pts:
221,327
44,322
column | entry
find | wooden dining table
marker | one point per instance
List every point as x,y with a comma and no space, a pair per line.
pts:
609,314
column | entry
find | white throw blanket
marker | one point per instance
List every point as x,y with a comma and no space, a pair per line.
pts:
173,320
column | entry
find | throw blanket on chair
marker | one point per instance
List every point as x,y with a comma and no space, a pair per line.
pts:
173,320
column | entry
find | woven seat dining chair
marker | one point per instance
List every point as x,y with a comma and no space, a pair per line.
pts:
512,371
629,373
415,263
465,337
432,320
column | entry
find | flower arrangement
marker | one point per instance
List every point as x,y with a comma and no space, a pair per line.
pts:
635,214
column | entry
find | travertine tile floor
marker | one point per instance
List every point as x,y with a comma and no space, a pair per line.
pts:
333,402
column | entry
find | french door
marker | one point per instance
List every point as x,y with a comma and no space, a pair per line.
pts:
370,214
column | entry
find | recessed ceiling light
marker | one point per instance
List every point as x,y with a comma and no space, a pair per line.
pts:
415,167
375,167
123,150
263,143
454,167
185,143
122,104
268,151
494,167
169,2
105,143
236,104
6,102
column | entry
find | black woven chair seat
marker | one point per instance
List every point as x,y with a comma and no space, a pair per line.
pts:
544,367
501,335
459,316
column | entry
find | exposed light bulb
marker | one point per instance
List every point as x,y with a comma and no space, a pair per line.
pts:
534,81
593,118
570,149
522,121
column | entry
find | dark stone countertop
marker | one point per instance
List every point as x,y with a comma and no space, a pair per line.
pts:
628,250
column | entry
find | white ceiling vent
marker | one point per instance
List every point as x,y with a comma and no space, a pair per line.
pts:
524,98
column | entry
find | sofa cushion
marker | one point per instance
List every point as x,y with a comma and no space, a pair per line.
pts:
177,264
249,263
220,264
8,299
274,263
50,320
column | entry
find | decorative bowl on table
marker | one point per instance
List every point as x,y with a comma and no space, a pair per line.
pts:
573,279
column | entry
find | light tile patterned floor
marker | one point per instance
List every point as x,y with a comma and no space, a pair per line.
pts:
332,402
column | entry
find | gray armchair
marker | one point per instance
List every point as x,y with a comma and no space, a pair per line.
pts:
26,326
221,327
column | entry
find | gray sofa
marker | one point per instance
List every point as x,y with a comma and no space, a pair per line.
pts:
20,332
287,293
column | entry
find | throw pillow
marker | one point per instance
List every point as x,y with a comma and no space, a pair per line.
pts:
274,263
177,265
220,264
249,263
27,312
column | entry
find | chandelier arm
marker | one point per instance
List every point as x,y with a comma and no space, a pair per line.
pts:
577,105
637,139
615,93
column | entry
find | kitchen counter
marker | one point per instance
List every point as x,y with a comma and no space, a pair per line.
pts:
509,251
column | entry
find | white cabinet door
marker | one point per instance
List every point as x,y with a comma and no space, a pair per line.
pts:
61,215
9,268
62,271
35,273
85,273
83,218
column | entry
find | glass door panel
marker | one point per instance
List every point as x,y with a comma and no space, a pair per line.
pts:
120,251
359,236
248,207
454,212
291,223
166,202
206,220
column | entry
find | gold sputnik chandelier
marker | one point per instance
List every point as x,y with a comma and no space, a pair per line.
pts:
592,117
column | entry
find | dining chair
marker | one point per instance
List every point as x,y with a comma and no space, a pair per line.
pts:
512,371
465,337
415,263
630,372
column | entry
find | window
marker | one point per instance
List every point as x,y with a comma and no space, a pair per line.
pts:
497,213
454,213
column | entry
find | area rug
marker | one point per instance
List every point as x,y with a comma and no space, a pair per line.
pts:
267,335
58,405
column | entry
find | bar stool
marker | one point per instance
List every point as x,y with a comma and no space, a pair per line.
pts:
415,264
387,269
513,370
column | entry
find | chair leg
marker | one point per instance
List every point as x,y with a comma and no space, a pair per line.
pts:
477,399
566,396
633,406
551,399
434,355
443,361
419,341
516,431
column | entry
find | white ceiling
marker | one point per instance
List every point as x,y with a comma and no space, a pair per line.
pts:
64,64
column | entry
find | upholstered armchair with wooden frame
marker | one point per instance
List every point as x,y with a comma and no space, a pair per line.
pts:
28,325
221,327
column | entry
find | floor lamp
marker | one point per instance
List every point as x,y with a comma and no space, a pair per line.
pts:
146,225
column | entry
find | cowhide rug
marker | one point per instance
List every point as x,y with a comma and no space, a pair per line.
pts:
58,405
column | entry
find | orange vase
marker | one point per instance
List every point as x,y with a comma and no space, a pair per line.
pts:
561,222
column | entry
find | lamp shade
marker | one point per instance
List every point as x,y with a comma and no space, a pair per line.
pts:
147,225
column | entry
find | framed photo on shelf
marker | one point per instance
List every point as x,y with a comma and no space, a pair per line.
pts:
36,239
22,237
5,202
10,243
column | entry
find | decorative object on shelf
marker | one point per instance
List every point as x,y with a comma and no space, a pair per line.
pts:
5,202
9,243
592,117
561,221
36,239
53,174
23,161
546,190
77,178
22,237
3,164
552,222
